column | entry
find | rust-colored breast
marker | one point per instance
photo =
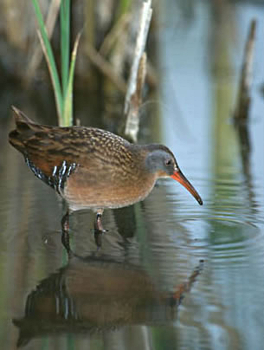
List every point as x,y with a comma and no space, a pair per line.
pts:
88,189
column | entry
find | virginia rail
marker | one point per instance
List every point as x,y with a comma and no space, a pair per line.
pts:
93,168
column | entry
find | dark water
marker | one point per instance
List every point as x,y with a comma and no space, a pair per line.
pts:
146,288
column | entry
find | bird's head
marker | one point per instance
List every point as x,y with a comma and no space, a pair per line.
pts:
161,161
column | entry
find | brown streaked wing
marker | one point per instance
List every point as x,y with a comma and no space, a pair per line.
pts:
45,152
88,147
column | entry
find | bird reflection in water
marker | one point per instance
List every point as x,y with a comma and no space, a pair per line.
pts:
92,295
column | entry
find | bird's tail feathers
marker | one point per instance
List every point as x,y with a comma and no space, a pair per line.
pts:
24,129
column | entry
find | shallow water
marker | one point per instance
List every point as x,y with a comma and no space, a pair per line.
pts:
147,287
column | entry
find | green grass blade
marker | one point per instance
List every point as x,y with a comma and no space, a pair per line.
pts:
123,7
65,43
68,100
50,59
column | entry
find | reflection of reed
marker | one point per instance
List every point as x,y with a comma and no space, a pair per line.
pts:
227,149
245,153
95,295
244,143
243,108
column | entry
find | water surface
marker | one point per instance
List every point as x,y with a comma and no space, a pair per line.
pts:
146,288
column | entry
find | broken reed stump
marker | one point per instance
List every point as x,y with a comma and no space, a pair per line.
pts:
244,99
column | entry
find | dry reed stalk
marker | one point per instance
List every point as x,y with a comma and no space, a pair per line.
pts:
137,74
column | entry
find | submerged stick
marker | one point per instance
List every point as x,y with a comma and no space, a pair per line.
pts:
244,99
137,74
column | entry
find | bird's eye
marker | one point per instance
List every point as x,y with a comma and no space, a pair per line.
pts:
168,162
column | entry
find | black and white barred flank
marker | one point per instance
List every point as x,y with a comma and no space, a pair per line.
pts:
59,175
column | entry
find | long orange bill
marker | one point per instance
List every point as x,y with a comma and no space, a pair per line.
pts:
178,176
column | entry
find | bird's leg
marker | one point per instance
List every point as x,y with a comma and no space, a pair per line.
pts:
98,228
65,239
98,221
